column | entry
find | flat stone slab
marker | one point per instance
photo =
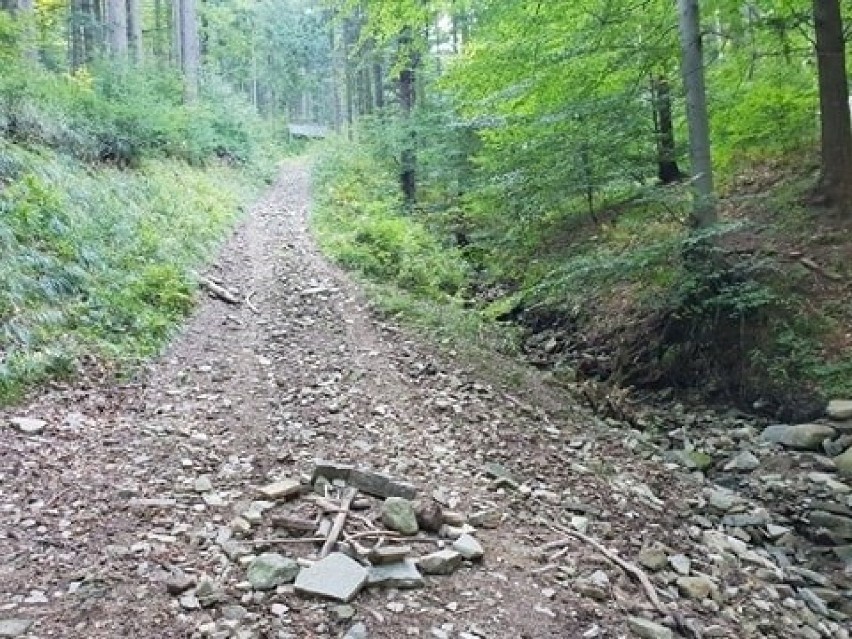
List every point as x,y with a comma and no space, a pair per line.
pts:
365,480
14,627
468,547
28,426
336,577
281,490
403,575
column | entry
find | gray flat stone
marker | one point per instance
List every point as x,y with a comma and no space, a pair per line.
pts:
28,426
389,555
840,409
380,485
648,629
468,547
336,577
801,436
837,524
281,490
14,627
358,631
403,574
844,464
443,562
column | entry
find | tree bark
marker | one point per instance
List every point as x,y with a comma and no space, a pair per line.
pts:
836,178
117,28
667,169
692,67
407,99
134,30
187,47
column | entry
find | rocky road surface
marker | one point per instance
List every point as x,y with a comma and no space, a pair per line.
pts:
110,497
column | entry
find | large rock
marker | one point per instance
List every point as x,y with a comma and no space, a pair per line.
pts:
336,577
403,575
14,627
270,570
837,524
648,629
743,461
398,514
800,436
840,409
844,464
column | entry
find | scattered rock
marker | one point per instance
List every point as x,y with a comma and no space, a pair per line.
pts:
430,515
404,575
844,464
179,584
744,461
836,524
343,612
800,436
380,485
482,519
208,593
28,426
648,629
722,500
698,588
839,409
358,631
680,563
693,459
468,547
653,559
443,562
281,490
388,555
493,470
398,514
202,484
14,627
336,577
270,570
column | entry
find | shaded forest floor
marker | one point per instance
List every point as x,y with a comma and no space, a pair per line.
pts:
99,510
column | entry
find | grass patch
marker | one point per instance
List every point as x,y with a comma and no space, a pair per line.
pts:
100,261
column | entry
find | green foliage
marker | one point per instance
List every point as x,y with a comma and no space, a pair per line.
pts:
100,261
359,222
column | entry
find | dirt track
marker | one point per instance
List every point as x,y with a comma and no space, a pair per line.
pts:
256,392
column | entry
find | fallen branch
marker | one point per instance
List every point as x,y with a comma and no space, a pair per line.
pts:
218,291
631,569
339,521
251,306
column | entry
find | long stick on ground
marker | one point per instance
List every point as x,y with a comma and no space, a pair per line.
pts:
339,521
628,567
219,291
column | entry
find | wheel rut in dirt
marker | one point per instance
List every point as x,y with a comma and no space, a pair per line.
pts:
130,486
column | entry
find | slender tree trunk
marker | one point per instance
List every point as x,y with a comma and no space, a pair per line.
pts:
187,46
667,168
134,29
117,28
692,67
407,99
378,85
836,179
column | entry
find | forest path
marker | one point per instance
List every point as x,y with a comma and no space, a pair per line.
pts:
109,502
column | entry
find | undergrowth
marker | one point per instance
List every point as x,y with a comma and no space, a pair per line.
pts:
100,262
411,273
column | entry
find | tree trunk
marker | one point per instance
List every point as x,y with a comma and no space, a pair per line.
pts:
692,67
134,29
187,46
117,28
407,98
667,168
379,85
836,179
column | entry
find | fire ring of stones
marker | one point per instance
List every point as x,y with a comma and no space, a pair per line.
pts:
334,533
